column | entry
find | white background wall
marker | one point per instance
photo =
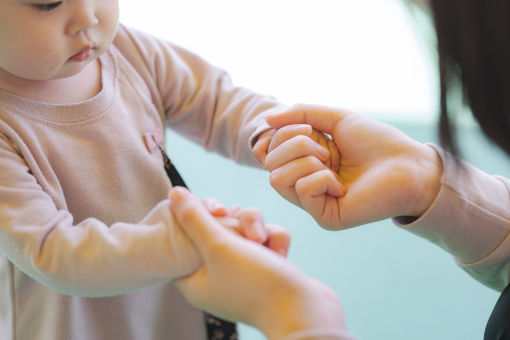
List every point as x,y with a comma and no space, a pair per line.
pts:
363,55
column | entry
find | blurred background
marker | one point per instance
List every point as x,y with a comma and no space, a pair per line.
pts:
375,57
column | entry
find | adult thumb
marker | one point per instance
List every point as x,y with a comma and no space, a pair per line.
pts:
321,118
194,219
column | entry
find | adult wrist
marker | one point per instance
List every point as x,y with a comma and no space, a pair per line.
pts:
428,180
308,305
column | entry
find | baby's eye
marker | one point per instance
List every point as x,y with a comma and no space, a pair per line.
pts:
47,7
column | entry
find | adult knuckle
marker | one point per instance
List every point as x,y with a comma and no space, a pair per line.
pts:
276,180
315,162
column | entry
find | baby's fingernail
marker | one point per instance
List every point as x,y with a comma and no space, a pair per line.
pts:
218,206
282,252
257,232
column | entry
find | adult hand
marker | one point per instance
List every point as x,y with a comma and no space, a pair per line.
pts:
383,173
244,281
311,140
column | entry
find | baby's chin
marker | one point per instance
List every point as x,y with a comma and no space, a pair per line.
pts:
55,73
74,69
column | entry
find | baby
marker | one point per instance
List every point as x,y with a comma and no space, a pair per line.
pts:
88,245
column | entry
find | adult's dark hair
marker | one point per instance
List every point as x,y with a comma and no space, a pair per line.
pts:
473,38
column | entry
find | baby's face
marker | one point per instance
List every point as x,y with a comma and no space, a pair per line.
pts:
48,39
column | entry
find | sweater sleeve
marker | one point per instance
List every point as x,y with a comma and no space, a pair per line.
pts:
199,100
89,258
470,219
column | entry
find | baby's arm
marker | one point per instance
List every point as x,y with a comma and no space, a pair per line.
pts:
197,99
83,255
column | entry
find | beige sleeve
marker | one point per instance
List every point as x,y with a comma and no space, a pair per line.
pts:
470,219
199,100
89,258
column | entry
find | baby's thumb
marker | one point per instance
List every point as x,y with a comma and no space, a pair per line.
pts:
193,218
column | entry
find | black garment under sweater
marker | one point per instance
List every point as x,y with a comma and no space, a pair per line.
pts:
498,326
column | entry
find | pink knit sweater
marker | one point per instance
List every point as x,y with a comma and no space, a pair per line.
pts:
88,245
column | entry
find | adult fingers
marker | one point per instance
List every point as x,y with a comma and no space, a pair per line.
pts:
295,148
320,182
320,117
319,194
194,218
287,132
284,178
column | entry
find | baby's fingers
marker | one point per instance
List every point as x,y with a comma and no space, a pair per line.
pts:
333,162
230,223
215,207
319,194
278,240
251,225
334,158
260,149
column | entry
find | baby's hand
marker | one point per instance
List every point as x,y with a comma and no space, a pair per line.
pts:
249,223
296,140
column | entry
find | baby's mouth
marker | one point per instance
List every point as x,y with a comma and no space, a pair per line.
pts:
82,55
